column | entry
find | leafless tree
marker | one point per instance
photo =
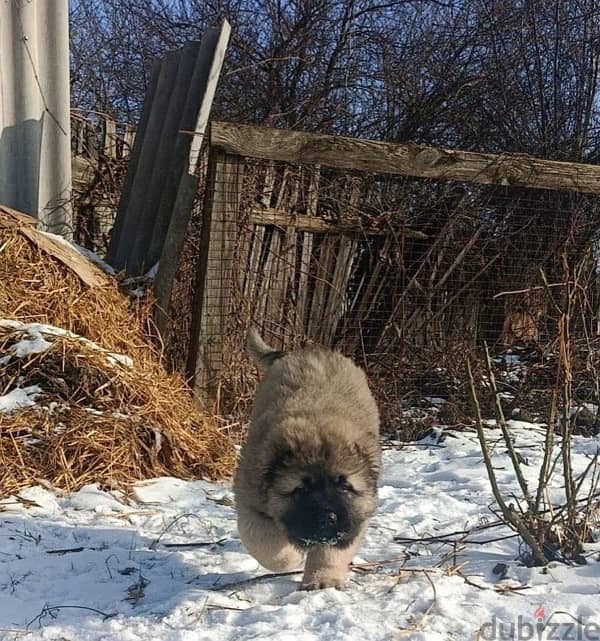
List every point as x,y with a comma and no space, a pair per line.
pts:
514,75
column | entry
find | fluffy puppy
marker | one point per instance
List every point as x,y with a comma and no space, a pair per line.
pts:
306,483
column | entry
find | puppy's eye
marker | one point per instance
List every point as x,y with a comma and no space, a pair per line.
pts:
305,485
343,483
296,492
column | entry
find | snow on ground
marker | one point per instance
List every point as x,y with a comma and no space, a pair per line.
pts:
96,565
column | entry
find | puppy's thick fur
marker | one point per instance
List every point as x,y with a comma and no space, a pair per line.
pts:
307,480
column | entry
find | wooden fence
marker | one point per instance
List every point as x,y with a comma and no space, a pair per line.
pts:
382,250
390,252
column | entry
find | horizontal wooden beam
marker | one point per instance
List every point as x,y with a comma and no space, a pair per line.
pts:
301,222
302,148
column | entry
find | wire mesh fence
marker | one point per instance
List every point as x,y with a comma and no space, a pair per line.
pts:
406,275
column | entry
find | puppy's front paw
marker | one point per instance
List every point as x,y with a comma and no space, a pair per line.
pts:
322,581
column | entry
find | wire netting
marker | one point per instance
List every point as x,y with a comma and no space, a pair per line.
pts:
404,275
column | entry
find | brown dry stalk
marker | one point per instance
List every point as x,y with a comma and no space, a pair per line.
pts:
545,471
97,420
511,517
504,428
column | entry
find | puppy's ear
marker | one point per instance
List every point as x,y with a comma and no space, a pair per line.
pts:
264,355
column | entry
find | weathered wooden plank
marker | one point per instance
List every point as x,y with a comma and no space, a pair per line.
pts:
55,246
274,289
289,275
242,256
283,276
339,285
406,159
110,138
83,169
313,191
289,189
294,190
267,191
128,140
322,285
78,136
264,280
254,262
375,282
173,215
283,219
302,297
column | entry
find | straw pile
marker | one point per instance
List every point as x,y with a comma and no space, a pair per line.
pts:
97,417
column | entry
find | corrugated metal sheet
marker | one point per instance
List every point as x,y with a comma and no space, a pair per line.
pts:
35,151
162,176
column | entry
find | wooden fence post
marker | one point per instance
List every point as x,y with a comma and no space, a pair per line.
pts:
110,138
212,303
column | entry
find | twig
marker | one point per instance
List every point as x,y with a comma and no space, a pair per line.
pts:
459,540
511,517
512,588
253,580
433,601
419,625
51,611
214,606
168,527
198,544
425,539
471,583
504,428
106,563
527,290
571,616
356,567
545,471
65,550
495,587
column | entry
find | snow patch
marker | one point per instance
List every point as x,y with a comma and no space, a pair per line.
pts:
19,398
167,563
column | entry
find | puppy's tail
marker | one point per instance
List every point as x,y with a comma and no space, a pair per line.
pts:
264,355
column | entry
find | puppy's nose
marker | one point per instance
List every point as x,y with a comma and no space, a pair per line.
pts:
331,518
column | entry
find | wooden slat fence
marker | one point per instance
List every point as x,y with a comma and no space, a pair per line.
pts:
371,247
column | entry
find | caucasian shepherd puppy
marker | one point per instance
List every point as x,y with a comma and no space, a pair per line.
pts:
307,480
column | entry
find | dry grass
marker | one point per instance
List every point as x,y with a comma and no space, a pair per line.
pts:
35,288
97,419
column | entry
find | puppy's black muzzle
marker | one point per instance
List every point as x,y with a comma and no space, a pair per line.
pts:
320,515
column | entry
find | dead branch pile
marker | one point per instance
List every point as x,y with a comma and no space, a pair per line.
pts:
98,416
